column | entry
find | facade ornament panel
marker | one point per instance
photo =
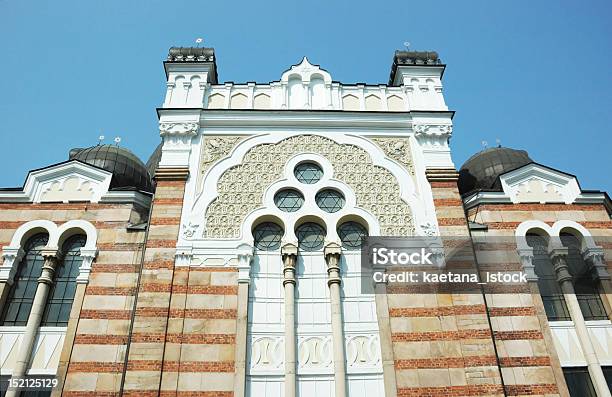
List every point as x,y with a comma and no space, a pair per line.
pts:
267,353
214,149
178,133
432,135
241,187
397,149
315,352
363,351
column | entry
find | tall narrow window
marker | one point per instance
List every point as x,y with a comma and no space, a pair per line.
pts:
550,291
59,303
579,382
584,286
608,374
21,295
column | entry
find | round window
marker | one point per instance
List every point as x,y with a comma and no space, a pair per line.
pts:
311,236
330,200
289,200
268,236
308,173
352,235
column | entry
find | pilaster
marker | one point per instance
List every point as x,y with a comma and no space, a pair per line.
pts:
332,254
289,255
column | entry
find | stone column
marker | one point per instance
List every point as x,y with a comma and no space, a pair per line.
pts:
559,259
332,254
289,255
38,308
244,279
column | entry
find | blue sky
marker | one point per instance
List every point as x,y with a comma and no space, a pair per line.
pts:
535,74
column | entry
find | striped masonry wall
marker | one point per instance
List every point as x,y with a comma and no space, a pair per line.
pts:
92,358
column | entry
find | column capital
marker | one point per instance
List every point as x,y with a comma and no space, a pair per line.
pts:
526,256
245,255
88,255
10,256
51,255
289,250
594,257
555,252
289,253
558,255
332,250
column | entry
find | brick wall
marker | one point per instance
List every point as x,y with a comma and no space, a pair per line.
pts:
95,361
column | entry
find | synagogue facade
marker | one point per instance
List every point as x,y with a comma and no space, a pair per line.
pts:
230,263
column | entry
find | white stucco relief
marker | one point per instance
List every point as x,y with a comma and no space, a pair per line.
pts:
252,167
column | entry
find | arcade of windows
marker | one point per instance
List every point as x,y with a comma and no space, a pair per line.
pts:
18,305
585,286
586,290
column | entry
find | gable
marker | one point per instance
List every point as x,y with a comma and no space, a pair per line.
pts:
535,183
64,182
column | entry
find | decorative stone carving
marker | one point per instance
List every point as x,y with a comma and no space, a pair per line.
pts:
179,133
539,191
240,189
429,229
189,230
267,353
595,257
10,257
362,350
397,149
315,352
72,188
214,149
432,135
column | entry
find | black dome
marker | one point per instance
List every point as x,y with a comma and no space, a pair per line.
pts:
128,171
482,169
153,161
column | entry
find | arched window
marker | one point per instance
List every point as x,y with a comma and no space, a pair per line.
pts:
550,291
352,235
584,286
59,301
21,295
267,236
311,236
